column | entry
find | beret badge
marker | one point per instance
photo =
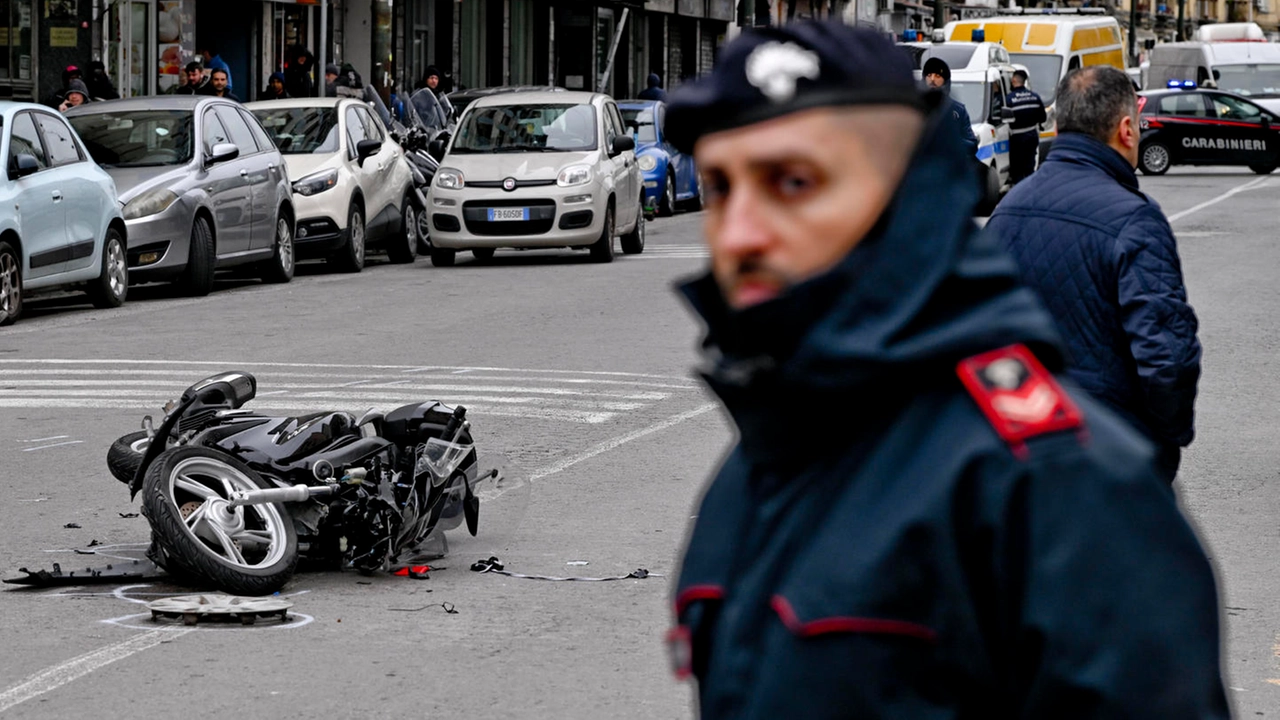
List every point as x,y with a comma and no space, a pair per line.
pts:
775,67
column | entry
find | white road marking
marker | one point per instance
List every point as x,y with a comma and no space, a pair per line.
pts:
405,368
608,445
75,668
1251,185
46,439
54,445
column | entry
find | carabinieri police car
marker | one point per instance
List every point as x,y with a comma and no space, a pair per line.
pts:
1186,125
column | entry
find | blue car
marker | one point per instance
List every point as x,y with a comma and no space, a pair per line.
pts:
670,178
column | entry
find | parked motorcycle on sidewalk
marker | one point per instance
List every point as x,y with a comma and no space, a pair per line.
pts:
236,499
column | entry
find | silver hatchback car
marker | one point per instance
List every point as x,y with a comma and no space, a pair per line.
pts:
538,170
203,187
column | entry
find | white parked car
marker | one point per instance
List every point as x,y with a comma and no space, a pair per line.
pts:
352,185
61,224
538,170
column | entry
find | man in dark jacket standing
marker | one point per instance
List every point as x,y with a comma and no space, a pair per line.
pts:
937,75
1103,259
654,90
920,519
1024,134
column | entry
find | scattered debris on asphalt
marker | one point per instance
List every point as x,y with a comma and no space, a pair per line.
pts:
494,565
93,543
72,526
128,515
448,608
115,572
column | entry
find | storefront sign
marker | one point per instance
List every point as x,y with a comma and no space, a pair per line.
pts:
666,6
62,37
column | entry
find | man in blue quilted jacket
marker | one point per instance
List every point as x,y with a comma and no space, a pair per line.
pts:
921,519
1102,257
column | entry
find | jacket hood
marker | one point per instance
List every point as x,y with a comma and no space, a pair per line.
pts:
654,80
924,290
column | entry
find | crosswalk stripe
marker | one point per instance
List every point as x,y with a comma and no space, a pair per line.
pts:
587,397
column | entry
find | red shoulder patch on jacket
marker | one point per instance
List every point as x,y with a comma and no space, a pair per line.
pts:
1020,398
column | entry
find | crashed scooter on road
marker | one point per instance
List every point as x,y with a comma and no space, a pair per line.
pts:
236,498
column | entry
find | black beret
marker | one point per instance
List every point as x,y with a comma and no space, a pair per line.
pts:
770,72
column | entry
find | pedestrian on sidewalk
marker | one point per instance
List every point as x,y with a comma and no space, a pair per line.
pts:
1024,138
275,88
77,94
937,75
197,81
921,517
654,90
218,79
1104,260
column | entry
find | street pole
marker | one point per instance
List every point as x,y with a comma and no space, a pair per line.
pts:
1182,31
939,15
1133,31
324,42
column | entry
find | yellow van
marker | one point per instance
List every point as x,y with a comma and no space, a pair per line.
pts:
1049,46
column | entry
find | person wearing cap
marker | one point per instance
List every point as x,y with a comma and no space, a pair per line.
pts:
431,80
275,88
654,90
77,94
197,83
1024,137
937,75
69,73
330,80
921,517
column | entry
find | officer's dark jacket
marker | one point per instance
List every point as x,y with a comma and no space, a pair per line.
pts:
872,549
1104,261
959,116
1028,108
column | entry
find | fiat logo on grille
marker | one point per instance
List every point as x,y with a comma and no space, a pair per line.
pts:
509,184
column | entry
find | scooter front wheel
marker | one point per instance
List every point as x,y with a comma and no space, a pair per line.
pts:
245,550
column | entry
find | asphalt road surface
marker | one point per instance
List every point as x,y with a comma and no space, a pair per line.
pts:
579,374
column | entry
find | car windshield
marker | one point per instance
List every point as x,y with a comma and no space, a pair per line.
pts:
1044,71
137,138
1252,80
956,57
640,120
973,95
540,127
302,130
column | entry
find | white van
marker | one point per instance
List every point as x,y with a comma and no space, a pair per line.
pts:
1050,46
1245,67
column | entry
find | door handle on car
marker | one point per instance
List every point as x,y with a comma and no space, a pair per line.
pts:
244,173
57,196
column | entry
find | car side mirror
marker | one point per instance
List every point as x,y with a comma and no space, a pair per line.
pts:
435,149
1006,114
621,144
365,149
24,165
222,152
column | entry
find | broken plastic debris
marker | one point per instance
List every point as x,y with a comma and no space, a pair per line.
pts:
72,526
578,562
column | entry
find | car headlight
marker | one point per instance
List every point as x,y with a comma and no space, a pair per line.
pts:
450,179
647,162
151,202
318,183
574,175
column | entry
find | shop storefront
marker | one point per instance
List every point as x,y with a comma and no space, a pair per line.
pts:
38,40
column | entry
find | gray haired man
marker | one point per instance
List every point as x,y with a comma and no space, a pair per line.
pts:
1103,259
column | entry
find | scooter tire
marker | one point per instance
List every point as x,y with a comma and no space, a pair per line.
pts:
178,548
124,457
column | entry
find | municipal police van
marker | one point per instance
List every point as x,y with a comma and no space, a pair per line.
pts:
1050,43
1185,125
980,80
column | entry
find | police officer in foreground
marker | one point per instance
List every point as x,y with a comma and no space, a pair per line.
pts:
921,518
1024,137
